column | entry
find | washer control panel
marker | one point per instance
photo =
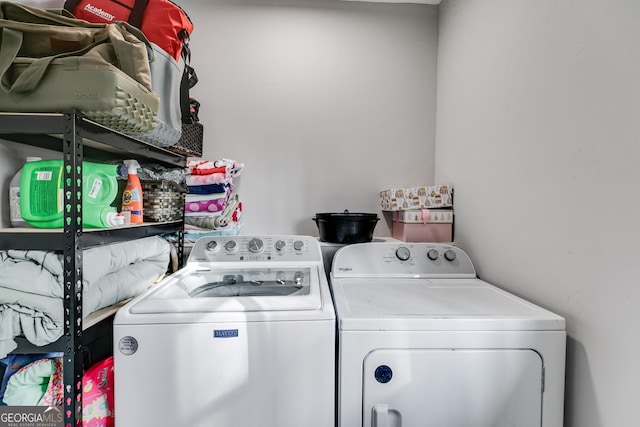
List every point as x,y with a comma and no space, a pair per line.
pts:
402,260
255,248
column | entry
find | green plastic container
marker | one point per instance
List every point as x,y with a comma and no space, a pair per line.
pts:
42,199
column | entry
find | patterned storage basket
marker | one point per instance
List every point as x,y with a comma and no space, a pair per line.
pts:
190,142
162,201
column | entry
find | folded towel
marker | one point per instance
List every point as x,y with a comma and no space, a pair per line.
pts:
214,178
204,167
209,189
233,229
216,220
203,197
208,167
205,206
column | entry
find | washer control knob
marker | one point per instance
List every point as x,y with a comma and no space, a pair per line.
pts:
255,245
403,253
230,246
280,244
212,246
433,254
298,245
449,255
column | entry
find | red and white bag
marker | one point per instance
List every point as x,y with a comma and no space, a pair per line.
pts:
162,21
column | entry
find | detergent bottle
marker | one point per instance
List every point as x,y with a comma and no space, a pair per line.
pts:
14,197
42,201
132,196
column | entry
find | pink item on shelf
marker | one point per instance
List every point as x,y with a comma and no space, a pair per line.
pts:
97,395
214,178
208,206
422,232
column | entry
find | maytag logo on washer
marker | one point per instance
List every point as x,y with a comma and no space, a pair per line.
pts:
225,333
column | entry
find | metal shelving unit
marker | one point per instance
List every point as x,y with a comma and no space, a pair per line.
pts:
78,138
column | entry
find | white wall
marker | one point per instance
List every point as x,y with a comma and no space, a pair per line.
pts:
325,102
538,129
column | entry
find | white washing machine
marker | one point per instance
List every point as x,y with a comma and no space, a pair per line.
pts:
424,342
243,335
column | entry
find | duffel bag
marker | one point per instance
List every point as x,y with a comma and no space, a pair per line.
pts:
166,79
50,63
163,22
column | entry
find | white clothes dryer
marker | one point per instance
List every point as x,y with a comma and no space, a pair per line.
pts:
243,335
423,341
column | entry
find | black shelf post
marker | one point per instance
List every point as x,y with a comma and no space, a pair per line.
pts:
72,253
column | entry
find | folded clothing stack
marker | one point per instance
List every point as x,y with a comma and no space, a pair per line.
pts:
212,206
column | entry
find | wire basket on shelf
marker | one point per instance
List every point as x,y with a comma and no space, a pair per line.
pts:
162,201
190,142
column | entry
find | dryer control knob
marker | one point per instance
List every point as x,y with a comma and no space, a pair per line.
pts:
383,374
280,244
433,254
298,245
255,245
449,255
403,253
212,246
230,246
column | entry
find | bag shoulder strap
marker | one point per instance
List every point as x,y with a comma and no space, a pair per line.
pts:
135,18
189,80
70,5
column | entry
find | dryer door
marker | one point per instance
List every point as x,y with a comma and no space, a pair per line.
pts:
452,388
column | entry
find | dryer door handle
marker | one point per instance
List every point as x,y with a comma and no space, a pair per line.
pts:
380,416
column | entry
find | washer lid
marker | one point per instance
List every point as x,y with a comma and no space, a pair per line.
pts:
435,304
208,290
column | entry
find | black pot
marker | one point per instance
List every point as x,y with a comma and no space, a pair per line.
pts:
346,227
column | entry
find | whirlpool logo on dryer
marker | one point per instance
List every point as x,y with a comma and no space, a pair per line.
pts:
225,333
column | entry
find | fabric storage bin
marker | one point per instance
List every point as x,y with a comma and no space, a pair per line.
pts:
424,216
423,225
435,233
162,201
397,199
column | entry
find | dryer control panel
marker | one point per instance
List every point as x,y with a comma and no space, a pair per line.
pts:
256,248
429,260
